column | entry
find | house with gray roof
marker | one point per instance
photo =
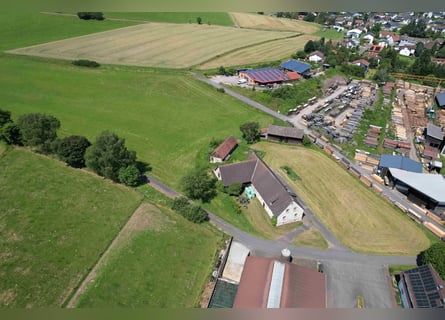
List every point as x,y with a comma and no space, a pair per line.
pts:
433,136
285,134
276,197
440,99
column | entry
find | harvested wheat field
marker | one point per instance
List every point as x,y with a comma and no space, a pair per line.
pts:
358,217
155,44
270,51
264,22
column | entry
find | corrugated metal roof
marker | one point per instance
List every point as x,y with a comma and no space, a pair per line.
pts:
441,99
267,75
296,66
431,185
276,285
434,131
399,162
235,262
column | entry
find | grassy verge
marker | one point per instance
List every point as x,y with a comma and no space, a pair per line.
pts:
56,222
358,217
396,269
290,173
330,34
260,220
312,239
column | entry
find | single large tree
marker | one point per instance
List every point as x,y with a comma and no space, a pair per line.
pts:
198,184
250,131
72,149
38,129
436,256
108,155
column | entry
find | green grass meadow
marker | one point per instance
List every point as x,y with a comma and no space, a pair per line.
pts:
166,117
163,268
55,223
217,18
30,28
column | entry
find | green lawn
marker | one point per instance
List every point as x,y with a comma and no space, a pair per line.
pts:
29,28
218,18
55,223
330,34
166,117
311,238
163,267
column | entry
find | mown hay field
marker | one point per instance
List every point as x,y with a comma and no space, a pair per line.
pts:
155,44
270,51
265,22
55,222
358,217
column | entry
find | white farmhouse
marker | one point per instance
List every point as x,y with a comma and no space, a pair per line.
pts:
275,196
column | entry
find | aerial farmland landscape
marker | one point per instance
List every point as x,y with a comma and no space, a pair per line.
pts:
222,160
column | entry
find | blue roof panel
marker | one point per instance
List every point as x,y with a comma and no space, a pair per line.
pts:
399,162
441,99
296,66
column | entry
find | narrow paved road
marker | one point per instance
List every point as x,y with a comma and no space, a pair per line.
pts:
349,274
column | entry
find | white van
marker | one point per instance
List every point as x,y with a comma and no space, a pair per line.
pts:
241,81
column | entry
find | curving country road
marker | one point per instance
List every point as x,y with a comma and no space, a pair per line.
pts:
349,274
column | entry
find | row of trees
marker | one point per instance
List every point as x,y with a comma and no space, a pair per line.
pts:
107,156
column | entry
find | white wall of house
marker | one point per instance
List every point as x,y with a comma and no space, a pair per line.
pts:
315,58
215,159
263,203
217,173
405,52
292,213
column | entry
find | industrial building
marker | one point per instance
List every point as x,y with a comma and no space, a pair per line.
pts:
422,287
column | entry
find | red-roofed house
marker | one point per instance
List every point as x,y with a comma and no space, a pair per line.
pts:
376,49
223,151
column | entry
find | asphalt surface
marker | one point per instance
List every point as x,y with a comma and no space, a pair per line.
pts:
349,274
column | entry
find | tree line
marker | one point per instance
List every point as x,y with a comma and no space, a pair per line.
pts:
107,155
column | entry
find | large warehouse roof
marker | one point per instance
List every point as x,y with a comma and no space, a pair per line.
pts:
268,283
431,185
296,66
399,162
267,75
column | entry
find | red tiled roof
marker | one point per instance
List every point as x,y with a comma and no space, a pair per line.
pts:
301,287
293,76
224,149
